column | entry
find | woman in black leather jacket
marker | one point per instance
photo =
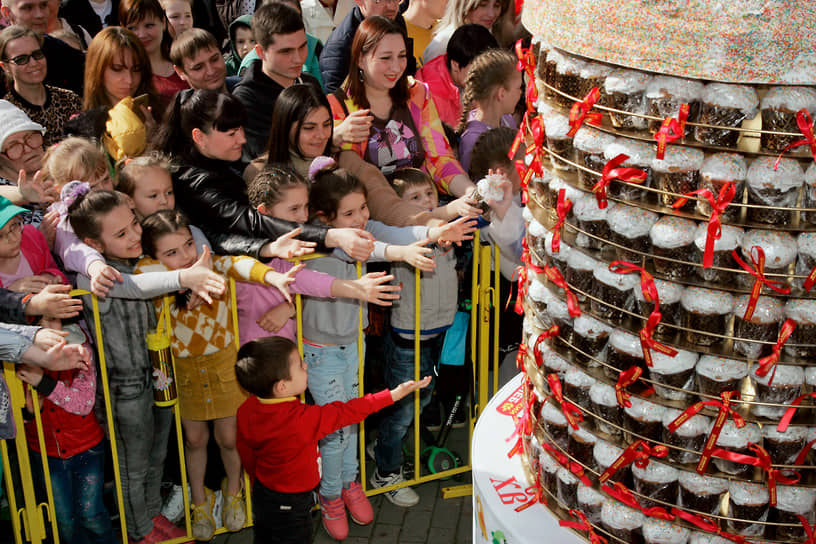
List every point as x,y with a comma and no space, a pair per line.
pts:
203,131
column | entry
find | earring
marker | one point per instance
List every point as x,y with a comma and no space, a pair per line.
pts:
360,74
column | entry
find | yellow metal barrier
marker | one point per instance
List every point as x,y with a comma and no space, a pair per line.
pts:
29,519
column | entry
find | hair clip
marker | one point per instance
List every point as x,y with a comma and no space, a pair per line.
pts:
320,164
73,190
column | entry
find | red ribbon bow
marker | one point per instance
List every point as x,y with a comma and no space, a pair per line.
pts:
786,419
570,411
610,172
583,525
527,63
774,474
759,273
582,111
718,206
523,425
769,361
522,353
805,125
537,498
554,275
649,344
671,130
565,462
625,379
525,257
620,492
521,291
639,453
724,412
562,208
647,284
707,524
810,280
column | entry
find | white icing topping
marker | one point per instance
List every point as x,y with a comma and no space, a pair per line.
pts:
810,375
556,125
602,394
740,97
702,485
592,140
791,434
579,260
707,538
724,167
630,221
745,493
801,310
547,462
527,215
579,378
552,414
659,531
605,453
626,81
785,375
733,437
799,500
537,229
779,246
564,249
672,232
538,292
693,426
555,362
665,364
791,99
730,237
570,192
656,472
589,495
621,282
810,174
589,327
706,301
586,209
787,177
768,309
679,159
806,243
644,410
667,291
625,342
721,369
594,69
618,516
640,153
684,90
583,435
568,64
558,309
566,476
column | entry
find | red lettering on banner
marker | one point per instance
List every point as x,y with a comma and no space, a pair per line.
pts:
513,404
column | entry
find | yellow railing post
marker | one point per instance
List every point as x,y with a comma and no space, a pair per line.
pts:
483,356
417,362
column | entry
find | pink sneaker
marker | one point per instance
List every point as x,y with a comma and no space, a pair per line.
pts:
358,505
334,517
166,527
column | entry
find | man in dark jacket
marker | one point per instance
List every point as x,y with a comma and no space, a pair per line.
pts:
66,65
336,55
281,45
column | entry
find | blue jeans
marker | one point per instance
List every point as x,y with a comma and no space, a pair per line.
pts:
333,376
399,367
77,485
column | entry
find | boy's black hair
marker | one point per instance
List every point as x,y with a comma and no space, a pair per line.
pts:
408,177
262,363
275,18
468,42
490,151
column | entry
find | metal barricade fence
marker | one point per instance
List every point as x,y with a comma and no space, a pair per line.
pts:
30,519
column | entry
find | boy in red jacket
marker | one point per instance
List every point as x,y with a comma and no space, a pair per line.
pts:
278,435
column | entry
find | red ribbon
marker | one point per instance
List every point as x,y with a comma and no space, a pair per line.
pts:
620,492
610,172
527,63
647,284
565,462
711,441
625,379
522,352
810,280
537,498
519,139
759,273
562,208
805,125
769,361
552,332
583,525
570,411
707,524
800,459
554,275
582,111
639,453
811,538
718,206
671,130
525,257
521,291
523,426
786,419
648,343
774,474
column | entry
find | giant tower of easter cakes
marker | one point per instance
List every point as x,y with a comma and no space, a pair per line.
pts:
670,319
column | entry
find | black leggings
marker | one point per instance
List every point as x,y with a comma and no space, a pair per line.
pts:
281,518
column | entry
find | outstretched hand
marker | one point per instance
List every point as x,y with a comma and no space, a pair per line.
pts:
288,246
282,281
201,279
454,232
377,288
406,388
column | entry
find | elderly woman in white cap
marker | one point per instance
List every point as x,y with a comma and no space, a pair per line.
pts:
21,152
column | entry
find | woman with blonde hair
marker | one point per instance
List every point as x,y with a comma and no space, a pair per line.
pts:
463,12
117,66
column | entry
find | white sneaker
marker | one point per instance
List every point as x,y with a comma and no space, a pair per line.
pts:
173,508
403,496
370,449
217,508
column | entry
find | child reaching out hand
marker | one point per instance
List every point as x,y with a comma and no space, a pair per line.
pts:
278,435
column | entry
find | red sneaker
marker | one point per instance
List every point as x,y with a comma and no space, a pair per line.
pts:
333,514
167,528
357,504
153,537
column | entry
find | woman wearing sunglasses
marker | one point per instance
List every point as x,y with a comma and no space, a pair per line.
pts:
24,64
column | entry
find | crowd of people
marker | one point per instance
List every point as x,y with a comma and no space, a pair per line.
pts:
149,149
